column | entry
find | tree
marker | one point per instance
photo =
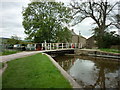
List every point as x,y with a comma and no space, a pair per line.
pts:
14,40
64,35
115,16
116,20
109,39
45,21
98,11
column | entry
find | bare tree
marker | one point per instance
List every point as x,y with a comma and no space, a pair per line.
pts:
98,11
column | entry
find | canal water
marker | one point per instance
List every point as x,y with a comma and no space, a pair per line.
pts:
91,72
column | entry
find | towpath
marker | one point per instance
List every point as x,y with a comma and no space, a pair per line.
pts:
17,55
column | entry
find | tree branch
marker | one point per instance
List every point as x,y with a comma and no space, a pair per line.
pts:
111,8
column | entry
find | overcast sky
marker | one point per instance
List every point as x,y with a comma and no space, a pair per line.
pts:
11,20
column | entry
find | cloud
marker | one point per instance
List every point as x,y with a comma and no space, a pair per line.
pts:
8,32
11,15
85,27
11,19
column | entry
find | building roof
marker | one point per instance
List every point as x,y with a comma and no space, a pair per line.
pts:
91,37
82,37
73,33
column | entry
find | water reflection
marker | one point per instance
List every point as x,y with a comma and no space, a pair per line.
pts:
91,72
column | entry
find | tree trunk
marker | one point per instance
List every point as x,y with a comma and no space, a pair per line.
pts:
100,36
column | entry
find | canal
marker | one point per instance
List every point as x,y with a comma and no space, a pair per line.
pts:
91,72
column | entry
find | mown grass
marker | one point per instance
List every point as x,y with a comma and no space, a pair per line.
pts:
35,71
8,52
110,50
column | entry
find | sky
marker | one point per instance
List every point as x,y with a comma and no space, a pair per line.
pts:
11,20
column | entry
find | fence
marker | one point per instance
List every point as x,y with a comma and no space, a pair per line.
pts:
43,46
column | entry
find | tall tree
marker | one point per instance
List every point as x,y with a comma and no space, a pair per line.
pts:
98,11
43,20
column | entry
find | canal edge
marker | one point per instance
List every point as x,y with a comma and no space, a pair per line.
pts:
73,83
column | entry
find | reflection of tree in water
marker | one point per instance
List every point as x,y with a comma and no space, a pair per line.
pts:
104,67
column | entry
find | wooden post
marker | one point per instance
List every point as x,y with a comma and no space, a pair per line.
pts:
53,45
66,45
75,45
50,46
45,46
62,45
57,45
35,46
81,45
42,46
78,45
71,45
30,46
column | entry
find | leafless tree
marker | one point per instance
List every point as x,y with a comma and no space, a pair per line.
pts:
98,11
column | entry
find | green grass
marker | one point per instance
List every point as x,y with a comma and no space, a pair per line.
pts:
8,52
110,50
35,71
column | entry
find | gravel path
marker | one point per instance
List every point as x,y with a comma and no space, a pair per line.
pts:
17,55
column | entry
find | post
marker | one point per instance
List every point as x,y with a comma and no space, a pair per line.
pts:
71,45
57,45
81,45
35,46
53,45
42,46
30,46
50,46
45,45
66,45
62,45
75,45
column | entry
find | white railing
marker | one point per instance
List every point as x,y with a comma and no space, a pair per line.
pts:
53,46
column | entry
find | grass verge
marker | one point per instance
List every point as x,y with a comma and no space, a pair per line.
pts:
35,71
110,50
8,52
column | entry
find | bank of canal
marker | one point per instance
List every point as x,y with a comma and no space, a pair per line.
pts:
91,72
36,71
